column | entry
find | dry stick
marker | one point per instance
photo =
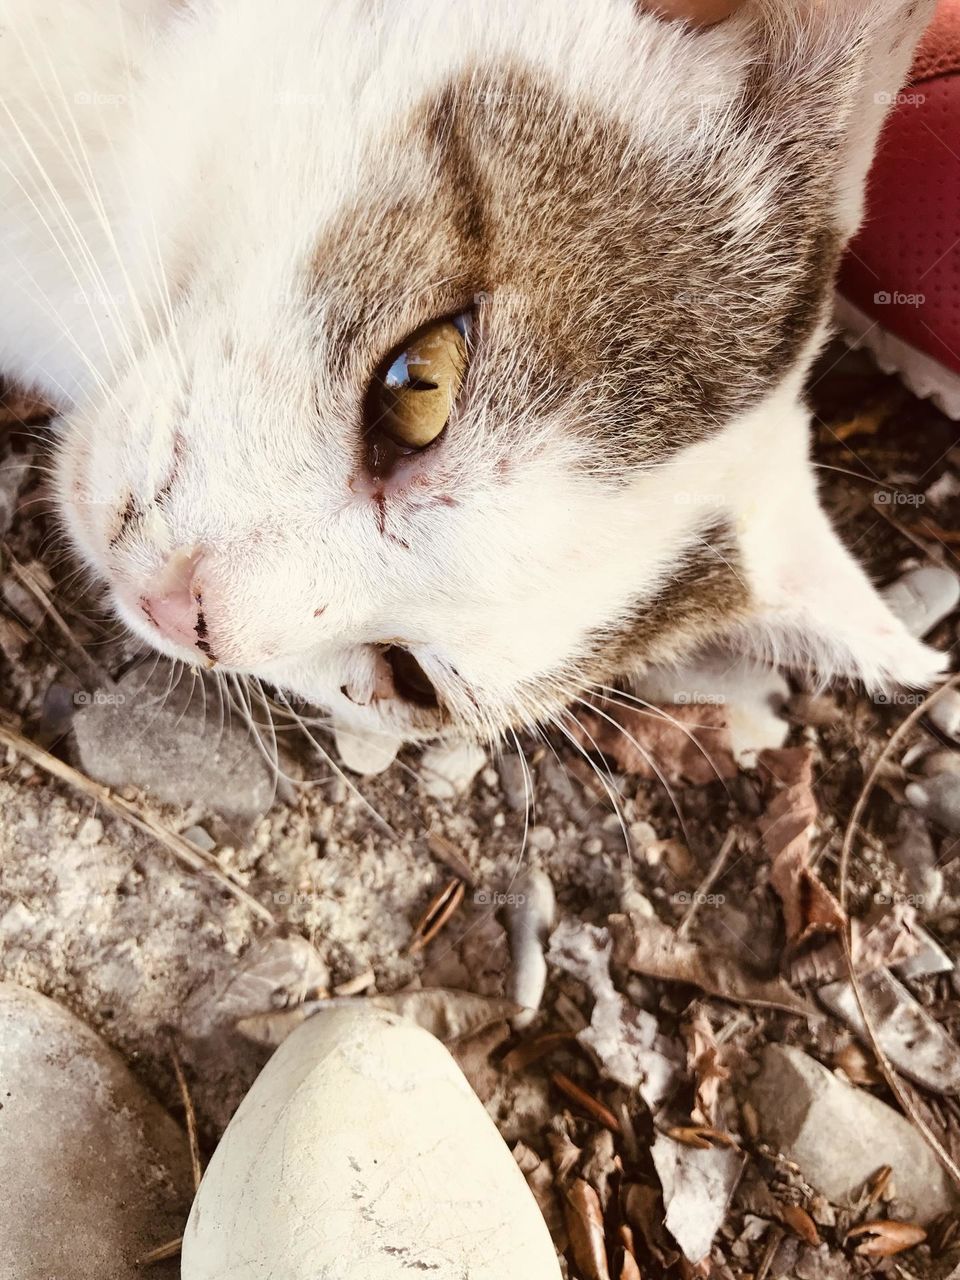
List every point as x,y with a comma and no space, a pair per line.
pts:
165,1251
886,1066
708,881
183,850
191,1116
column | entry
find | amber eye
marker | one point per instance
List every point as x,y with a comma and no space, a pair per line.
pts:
413,392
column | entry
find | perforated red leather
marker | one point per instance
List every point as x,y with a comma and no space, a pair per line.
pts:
903,268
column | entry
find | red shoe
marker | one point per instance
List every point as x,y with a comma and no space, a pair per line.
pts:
899,285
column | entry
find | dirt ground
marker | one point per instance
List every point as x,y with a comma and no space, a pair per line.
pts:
105,919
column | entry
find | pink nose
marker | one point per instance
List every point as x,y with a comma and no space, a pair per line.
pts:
174,604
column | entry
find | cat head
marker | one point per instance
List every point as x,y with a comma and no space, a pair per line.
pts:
459,359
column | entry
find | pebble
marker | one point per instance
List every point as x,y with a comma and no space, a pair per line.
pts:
913,850
945,713
90,832
839,1136
93,1172
939,799
922,597
542,838
298,1188
530,917
448,769
171,746
592,846
365,753
942,761
514,780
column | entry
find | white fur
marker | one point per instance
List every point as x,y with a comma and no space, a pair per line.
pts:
143,139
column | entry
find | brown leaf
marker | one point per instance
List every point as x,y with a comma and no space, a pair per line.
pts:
884,1238
680,744
648,946
586,1100
700,1135
857,1065
883,938
586,1231
530,1051
800,1223
629,1269
540,1180
643,1209
565,1155
703,1061
808,906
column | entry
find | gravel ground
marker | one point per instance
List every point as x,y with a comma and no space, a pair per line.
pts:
108,921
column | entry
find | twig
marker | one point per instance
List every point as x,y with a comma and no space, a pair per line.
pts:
191,1117
716,867
161,1254
886,1066
191,855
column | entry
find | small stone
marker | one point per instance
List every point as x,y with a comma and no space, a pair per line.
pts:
365,753
923,597
514,780
490,777
542,838
93,1173
642,835
165,742
499,821
592,846
913,850
22,602
945,713
942,761
839,1136
939,799
201,838
414,1177
90,832
448,769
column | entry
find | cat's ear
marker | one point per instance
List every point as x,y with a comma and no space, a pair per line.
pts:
814,607
698,13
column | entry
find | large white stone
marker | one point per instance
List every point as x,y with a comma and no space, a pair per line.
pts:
361,1153
93,1172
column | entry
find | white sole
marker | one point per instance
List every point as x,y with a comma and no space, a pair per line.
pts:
924,376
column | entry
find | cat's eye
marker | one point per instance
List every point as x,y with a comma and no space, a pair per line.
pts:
412,394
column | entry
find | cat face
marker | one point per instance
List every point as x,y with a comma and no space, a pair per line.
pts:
602,244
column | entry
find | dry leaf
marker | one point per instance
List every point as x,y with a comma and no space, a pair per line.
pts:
697,1187
593,1106
679,744
886,937
646,945
700,1135
626,1039
857,1065
276,971
885,1238
448,1015
800,1223
642,1206
808,906
586,1231
540,1180
703,1061
914,1041
565,1155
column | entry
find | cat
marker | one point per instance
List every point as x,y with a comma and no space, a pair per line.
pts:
438,363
